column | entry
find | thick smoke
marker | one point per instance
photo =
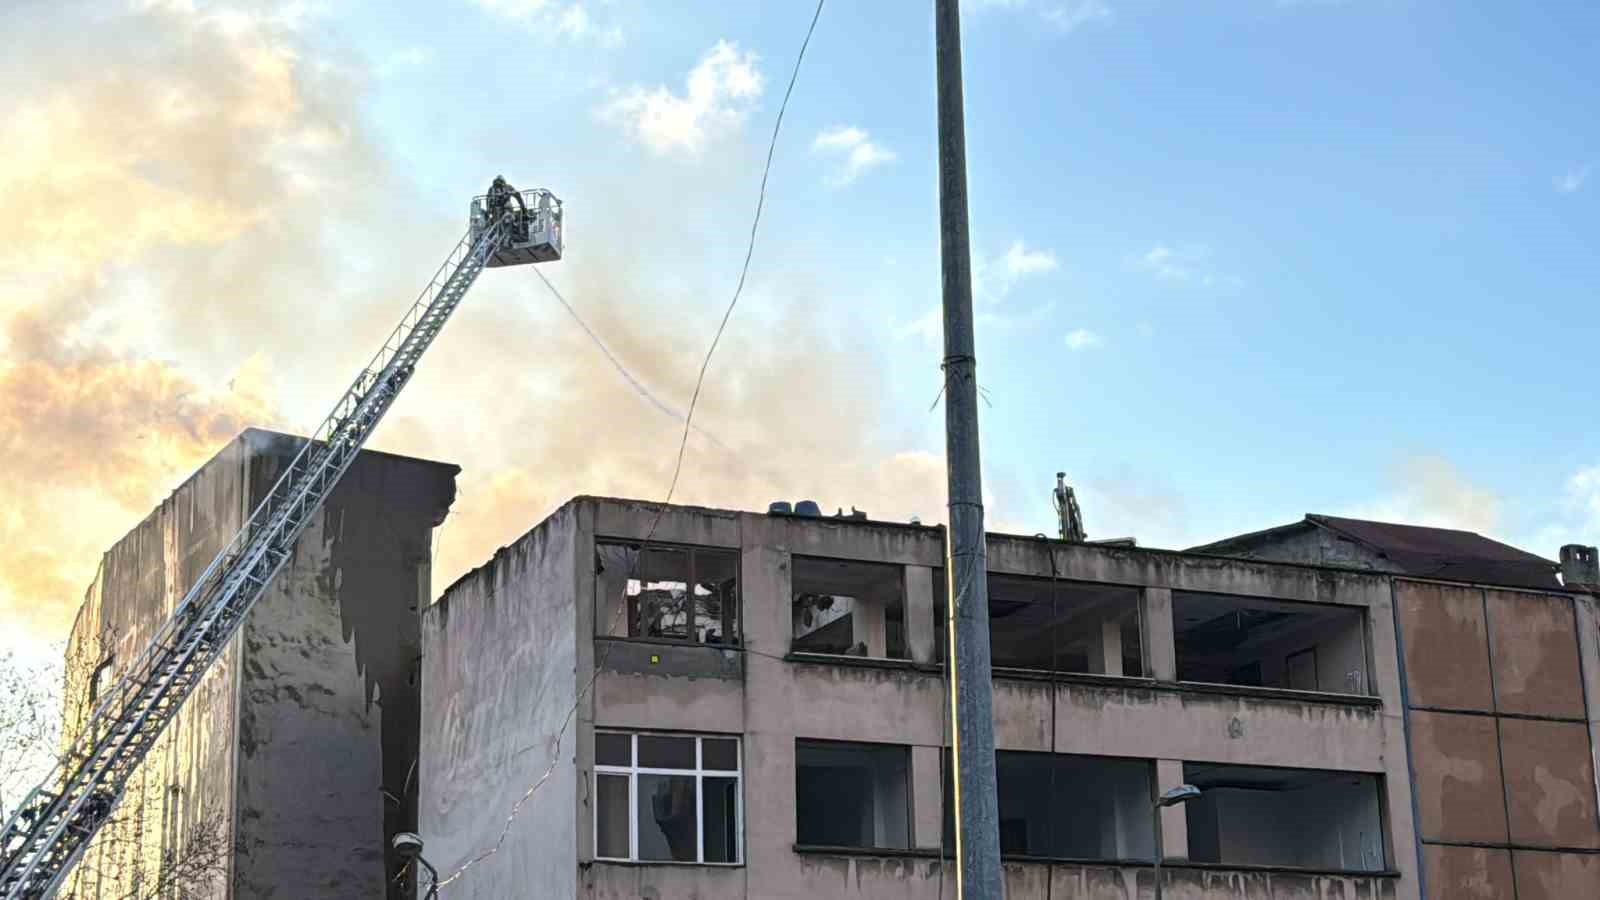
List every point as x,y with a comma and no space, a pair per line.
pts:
193,215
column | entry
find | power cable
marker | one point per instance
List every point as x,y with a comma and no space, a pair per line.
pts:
683,443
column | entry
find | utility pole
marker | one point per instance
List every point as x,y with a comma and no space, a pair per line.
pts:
978,874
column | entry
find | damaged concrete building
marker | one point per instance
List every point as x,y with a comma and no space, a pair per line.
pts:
635,701
291,765
642,702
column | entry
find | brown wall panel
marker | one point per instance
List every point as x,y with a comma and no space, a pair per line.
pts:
1534,645
1467,873
1556,876
1459,792
1446,645
1550,776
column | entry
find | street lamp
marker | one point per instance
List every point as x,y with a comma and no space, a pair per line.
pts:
1183,793
408,846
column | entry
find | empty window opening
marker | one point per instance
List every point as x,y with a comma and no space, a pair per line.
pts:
1302,818
1069,807
1224,639
852,795
844,607
1050,625
666,798
688,594
101,681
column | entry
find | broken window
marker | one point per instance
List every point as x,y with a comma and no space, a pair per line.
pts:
666,798
1304,818
845,607
1246,641
686,594
1062,806
852,795
1046,625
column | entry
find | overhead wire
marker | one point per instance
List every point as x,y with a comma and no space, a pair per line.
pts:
677,471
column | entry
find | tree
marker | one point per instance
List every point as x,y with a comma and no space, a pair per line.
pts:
187,863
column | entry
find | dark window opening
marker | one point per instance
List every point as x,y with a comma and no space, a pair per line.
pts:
852,795
1301,818
688,594
100,681
853,608
1063,806
1249,642
1051,625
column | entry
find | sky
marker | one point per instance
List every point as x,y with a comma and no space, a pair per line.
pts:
1234,261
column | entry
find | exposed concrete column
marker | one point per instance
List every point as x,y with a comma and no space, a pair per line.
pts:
1588,620
1158,634
868,626
919,614
1174,825
927,797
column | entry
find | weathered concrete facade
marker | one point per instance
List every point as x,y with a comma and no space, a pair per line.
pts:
292,762
516,647
1503,697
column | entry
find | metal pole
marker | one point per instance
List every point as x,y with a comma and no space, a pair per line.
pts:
1160,849
978,873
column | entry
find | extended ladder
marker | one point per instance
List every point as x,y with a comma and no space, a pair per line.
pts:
46,835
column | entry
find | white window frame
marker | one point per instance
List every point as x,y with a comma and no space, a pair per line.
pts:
633,770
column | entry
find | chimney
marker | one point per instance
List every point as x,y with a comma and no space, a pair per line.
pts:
1579,565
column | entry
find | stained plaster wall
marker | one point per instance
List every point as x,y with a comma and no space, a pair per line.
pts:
779,700
498,686
329,694
1503,700
281,751
184,789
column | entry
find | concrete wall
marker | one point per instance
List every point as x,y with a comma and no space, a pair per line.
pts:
277,758
498,693
183,792
772,700
1501,717
328,694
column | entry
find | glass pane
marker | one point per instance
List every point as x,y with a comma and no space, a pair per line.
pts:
657,752
660,596
721,805
613,749
667,826
720,753
611,816
716,597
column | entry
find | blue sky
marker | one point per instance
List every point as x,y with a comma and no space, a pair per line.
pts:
1237,261
1306,247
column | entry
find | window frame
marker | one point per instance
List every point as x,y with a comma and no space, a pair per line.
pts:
692,551
633,770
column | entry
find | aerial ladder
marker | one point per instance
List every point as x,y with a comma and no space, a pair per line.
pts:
56,821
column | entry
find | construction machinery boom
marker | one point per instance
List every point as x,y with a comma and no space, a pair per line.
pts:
49,831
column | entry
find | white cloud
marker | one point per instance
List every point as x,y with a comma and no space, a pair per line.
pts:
548,17
1174,264
404,59
1020,261
1066,15
1070,16
855,150
1083,339
1573,181
718,94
